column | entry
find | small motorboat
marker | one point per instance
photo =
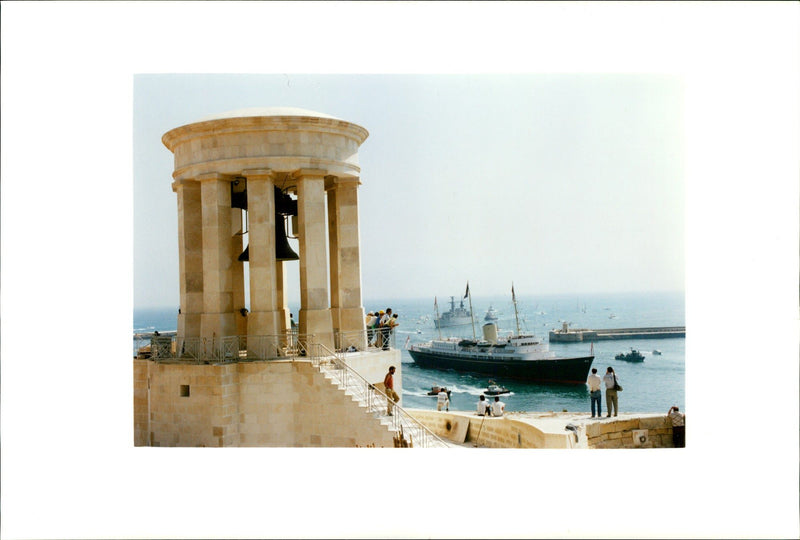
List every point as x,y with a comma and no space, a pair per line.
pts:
494,389
436,389
656,352
633,356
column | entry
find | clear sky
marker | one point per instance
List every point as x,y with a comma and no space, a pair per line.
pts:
671,127
562,183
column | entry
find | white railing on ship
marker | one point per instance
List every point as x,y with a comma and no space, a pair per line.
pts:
376,400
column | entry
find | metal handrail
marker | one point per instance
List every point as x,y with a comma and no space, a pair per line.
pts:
375,399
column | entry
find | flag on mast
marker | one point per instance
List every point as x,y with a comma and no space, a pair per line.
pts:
513,297
435,305
466,293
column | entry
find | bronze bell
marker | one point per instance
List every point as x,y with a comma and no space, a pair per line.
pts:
283,251
239,193
284,206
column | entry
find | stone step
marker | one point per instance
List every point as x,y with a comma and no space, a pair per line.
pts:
378,411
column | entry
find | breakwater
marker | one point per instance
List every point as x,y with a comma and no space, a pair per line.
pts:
570,335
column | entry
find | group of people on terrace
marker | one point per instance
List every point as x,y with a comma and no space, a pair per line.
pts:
612,386
380,325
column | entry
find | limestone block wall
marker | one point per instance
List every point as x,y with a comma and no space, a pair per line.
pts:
494,432
619,433
140,413
267,398
193,405
263,404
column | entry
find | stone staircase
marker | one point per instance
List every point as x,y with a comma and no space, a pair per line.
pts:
374,403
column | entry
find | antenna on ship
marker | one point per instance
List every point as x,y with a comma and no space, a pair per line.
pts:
514,300
436,309
471,315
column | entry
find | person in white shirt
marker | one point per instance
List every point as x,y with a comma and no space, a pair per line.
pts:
610,378
595,394
498,407
483,406
370,323
442,400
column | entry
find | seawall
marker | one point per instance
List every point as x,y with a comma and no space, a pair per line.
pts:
585,334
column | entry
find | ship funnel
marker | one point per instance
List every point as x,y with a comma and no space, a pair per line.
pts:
490,333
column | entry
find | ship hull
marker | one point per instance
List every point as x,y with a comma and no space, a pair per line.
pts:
452,321
556,370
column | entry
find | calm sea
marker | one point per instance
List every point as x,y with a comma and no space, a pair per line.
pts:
650,386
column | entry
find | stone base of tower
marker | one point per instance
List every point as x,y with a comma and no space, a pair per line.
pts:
279,403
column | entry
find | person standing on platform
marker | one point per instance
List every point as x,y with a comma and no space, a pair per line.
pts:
391,322
391,395
678,420
442,400
595,394
385,328
612,386
370,324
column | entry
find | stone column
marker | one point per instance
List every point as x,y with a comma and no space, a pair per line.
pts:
283,305
264,317
314,316
333,250
217,320
190,257
345,264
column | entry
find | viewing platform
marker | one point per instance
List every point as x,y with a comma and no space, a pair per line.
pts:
571,335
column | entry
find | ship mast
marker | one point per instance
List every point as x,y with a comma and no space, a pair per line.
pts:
437,320
471,314
514,300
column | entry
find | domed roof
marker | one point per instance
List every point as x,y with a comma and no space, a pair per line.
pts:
266,111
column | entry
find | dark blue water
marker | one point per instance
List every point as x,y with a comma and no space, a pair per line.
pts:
650,386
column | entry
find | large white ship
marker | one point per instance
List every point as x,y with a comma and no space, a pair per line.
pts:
519,356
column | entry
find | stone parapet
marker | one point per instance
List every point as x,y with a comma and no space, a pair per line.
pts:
621,433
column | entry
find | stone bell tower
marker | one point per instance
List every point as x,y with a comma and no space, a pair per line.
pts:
275,163
238,377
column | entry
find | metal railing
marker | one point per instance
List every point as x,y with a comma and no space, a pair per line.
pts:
231,348
234,348
375,400
365,340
